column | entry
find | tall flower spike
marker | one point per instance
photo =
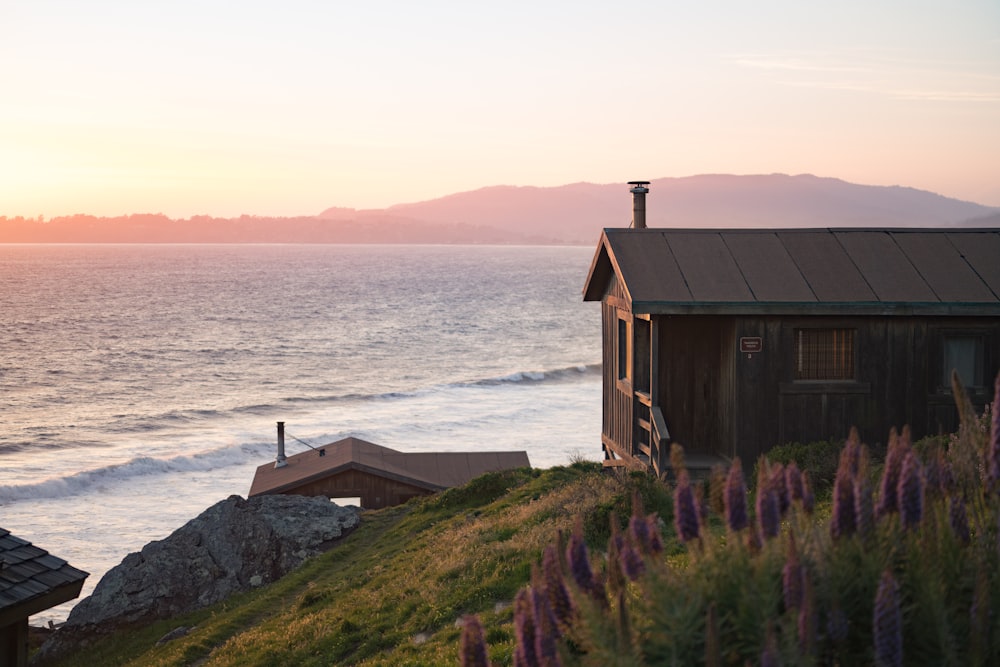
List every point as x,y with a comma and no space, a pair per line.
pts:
791,577
655,537
887,491
807,617
525,654
638,526
778,487
864,510
911,492
473,648
793,482
736,498
958,518
555,588
808,497
993,449
686,515
843,522
546,631
888,623
579,561
768,505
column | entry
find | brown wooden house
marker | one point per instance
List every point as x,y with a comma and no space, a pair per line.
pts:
733,341
379,476
31,580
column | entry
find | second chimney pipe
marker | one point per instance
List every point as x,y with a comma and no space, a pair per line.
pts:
281,462
639,191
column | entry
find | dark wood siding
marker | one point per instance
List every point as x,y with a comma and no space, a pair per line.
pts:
898,381
375,491
696,381
617,422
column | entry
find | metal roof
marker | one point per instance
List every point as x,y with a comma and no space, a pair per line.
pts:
32,580
801,271
433,471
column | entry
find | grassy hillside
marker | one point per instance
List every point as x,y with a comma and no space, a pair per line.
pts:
392,592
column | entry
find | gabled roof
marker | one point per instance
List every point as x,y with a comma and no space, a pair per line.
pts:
32,580
801,271
433,471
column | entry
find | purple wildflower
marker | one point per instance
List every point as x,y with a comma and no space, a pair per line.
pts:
525,654
843,522
686,520
958,519
736,498
473,644
631,562
864,510
808,498
555,587
888,623
793,482
655,538
887,493
993,449
579,561
791,577
546,631
768,512
910,489
780,489
638,526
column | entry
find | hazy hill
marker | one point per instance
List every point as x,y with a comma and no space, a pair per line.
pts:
577,212
573,213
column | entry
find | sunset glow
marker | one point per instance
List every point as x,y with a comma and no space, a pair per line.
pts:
186,108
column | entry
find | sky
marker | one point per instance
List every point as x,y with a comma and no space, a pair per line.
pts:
204,107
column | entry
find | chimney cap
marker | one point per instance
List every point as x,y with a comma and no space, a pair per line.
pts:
638,182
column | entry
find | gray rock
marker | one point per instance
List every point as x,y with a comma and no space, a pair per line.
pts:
231,547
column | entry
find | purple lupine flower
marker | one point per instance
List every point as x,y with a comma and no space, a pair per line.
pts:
686,520
850,455
736,498
791,577
768,512
473,650
655,537
631,563
910,489
808,498
546,630
993,449
864,510
780,489
793,482
843,522
525,654
887,492
555,587
638,526
888,623
958,518
579,562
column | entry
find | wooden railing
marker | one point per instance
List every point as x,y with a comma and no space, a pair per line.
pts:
659,440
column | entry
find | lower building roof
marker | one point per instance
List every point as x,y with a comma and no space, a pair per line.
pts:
433,471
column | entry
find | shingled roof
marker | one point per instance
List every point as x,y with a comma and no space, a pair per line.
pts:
33,580
433,471
814,271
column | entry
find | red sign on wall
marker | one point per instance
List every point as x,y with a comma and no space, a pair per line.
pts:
751,344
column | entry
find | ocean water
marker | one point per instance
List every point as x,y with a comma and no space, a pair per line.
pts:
140,384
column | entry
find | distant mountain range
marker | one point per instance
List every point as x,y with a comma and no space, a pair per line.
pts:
566,214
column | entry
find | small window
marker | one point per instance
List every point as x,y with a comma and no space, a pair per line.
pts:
623,345
824,354
963,354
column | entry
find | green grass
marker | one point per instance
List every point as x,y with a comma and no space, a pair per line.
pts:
393,591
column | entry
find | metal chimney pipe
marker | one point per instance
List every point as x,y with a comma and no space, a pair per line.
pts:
639,191
281,461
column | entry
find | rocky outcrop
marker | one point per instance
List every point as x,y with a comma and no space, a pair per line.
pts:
233,546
